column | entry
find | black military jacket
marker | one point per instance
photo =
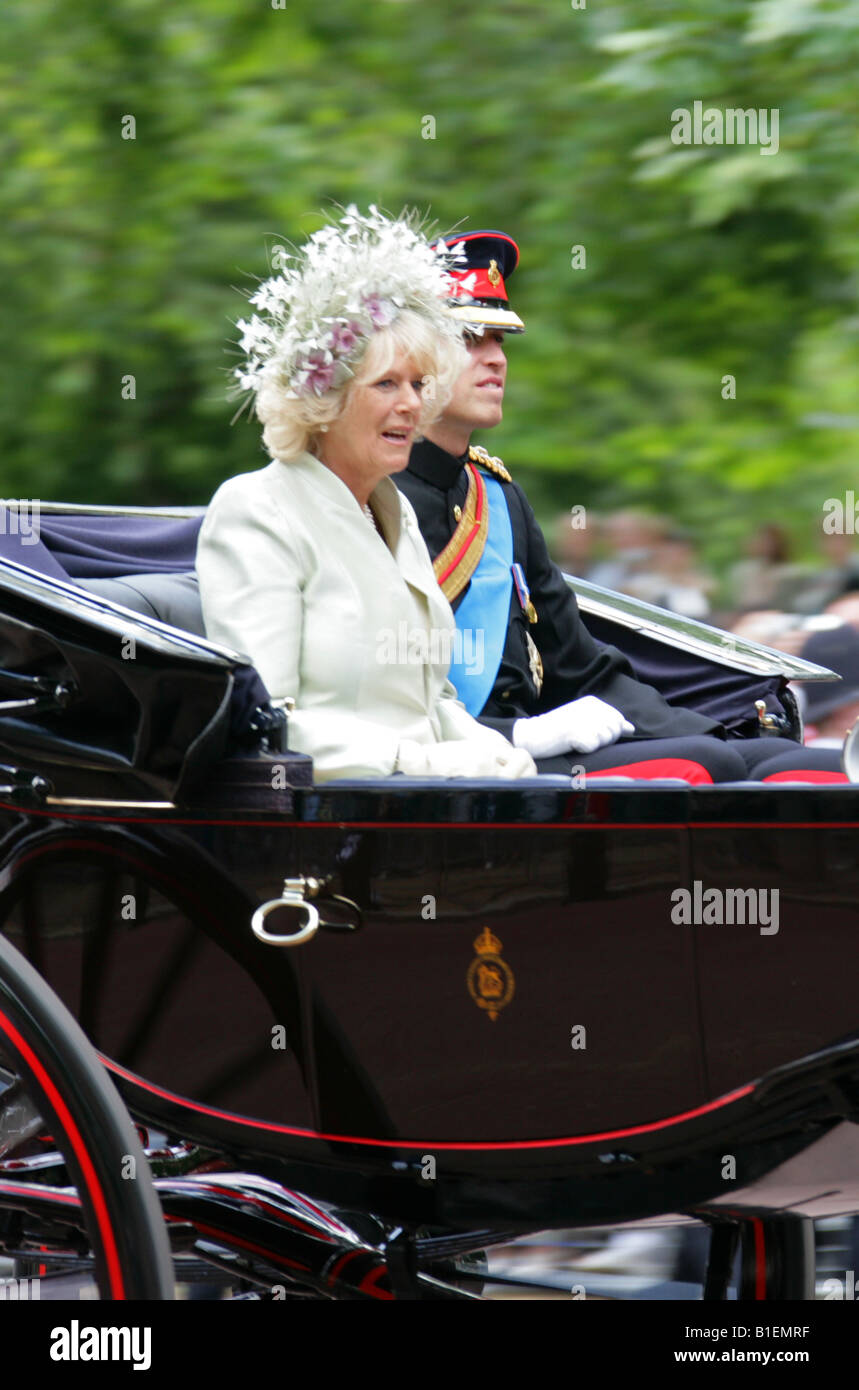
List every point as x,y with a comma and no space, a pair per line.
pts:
574,664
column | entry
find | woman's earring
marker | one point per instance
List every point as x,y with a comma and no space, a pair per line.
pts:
323,429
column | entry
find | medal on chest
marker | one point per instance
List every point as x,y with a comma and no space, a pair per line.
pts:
535,661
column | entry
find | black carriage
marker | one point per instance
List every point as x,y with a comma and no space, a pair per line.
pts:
363,1030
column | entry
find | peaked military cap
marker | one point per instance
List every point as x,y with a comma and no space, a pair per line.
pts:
486,261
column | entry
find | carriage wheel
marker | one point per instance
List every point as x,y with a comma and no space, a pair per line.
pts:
56,1096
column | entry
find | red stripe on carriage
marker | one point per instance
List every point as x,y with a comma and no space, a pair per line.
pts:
114,1270
370,1283
249,1200
807,774
651,769
226,1238
341,1264
476,1146
325,1215
44,1194
408,826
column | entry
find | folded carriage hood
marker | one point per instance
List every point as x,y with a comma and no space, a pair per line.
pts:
103,701
692,636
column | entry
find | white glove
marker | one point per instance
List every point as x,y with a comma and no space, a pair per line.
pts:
583,725
463,758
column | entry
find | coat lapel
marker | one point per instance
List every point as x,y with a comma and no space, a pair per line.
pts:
398,525
405,541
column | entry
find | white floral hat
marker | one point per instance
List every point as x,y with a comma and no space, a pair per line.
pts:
315,317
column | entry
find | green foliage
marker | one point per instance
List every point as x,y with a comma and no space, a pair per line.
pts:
123,256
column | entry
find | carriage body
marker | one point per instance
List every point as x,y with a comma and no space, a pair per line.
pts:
504,1020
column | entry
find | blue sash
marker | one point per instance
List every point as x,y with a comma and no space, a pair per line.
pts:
481,618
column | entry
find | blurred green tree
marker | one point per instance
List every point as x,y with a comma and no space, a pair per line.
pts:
123,257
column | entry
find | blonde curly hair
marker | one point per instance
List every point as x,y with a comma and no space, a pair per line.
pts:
292,424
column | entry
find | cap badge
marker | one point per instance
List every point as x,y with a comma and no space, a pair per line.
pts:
493,275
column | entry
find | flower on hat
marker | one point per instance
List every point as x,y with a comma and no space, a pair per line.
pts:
317,373
315,316
344,337
381,311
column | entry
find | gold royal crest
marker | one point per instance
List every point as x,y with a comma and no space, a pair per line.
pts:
490,980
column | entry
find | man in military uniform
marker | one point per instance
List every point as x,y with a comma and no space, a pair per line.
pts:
544,682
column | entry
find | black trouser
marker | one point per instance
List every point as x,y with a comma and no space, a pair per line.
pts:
701,760
781,757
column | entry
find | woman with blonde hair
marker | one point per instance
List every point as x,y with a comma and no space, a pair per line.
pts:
314,566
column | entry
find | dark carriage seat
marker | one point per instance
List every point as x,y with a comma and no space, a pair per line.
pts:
144,562
171,598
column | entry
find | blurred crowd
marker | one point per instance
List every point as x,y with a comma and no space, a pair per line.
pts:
806,609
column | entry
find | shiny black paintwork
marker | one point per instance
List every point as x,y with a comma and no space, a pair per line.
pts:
384,1040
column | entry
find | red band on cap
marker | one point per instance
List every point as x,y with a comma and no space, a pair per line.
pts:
478,284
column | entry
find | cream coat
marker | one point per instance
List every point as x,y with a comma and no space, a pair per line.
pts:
293,575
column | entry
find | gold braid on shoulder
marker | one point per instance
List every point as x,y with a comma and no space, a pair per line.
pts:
477,454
